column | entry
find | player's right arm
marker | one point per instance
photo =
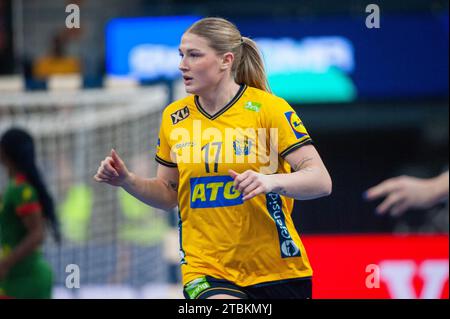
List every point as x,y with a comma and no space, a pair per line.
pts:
160,191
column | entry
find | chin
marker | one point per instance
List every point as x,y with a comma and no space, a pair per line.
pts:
190,90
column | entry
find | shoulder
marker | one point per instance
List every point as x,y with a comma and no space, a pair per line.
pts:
267,103
264,97
22,191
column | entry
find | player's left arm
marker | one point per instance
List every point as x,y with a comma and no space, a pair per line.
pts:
34,224
309,179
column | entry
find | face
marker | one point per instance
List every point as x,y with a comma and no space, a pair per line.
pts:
201,67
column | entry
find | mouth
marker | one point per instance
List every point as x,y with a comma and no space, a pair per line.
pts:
187,78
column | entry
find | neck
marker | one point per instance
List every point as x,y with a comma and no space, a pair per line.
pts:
12,171
218,96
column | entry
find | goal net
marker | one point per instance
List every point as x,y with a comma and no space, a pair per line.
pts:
113,239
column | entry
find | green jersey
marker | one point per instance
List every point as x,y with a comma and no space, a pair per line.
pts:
31,275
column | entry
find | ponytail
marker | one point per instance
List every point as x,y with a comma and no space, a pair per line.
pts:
251,67
48,207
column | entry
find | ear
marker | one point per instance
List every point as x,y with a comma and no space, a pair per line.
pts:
227,61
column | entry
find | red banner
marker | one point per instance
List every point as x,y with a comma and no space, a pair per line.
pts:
379,266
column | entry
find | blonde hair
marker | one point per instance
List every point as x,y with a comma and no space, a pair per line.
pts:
223,36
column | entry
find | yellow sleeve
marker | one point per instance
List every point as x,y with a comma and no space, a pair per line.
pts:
163,148
292,134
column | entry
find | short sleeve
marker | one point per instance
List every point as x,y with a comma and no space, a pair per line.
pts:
163,148
292,134
27,201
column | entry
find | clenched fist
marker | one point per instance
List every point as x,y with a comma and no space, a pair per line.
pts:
112,171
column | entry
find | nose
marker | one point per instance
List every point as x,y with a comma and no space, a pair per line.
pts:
182,66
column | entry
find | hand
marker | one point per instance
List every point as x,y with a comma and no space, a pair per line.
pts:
251,184
4,269
112,171
402,193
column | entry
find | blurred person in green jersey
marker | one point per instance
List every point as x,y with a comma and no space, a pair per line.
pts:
24,211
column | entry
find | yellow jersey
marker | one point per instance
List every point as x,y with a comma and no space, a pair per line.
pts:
222,236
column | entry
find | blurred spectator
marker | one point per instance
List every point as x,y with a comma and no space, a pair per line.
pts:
56,62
